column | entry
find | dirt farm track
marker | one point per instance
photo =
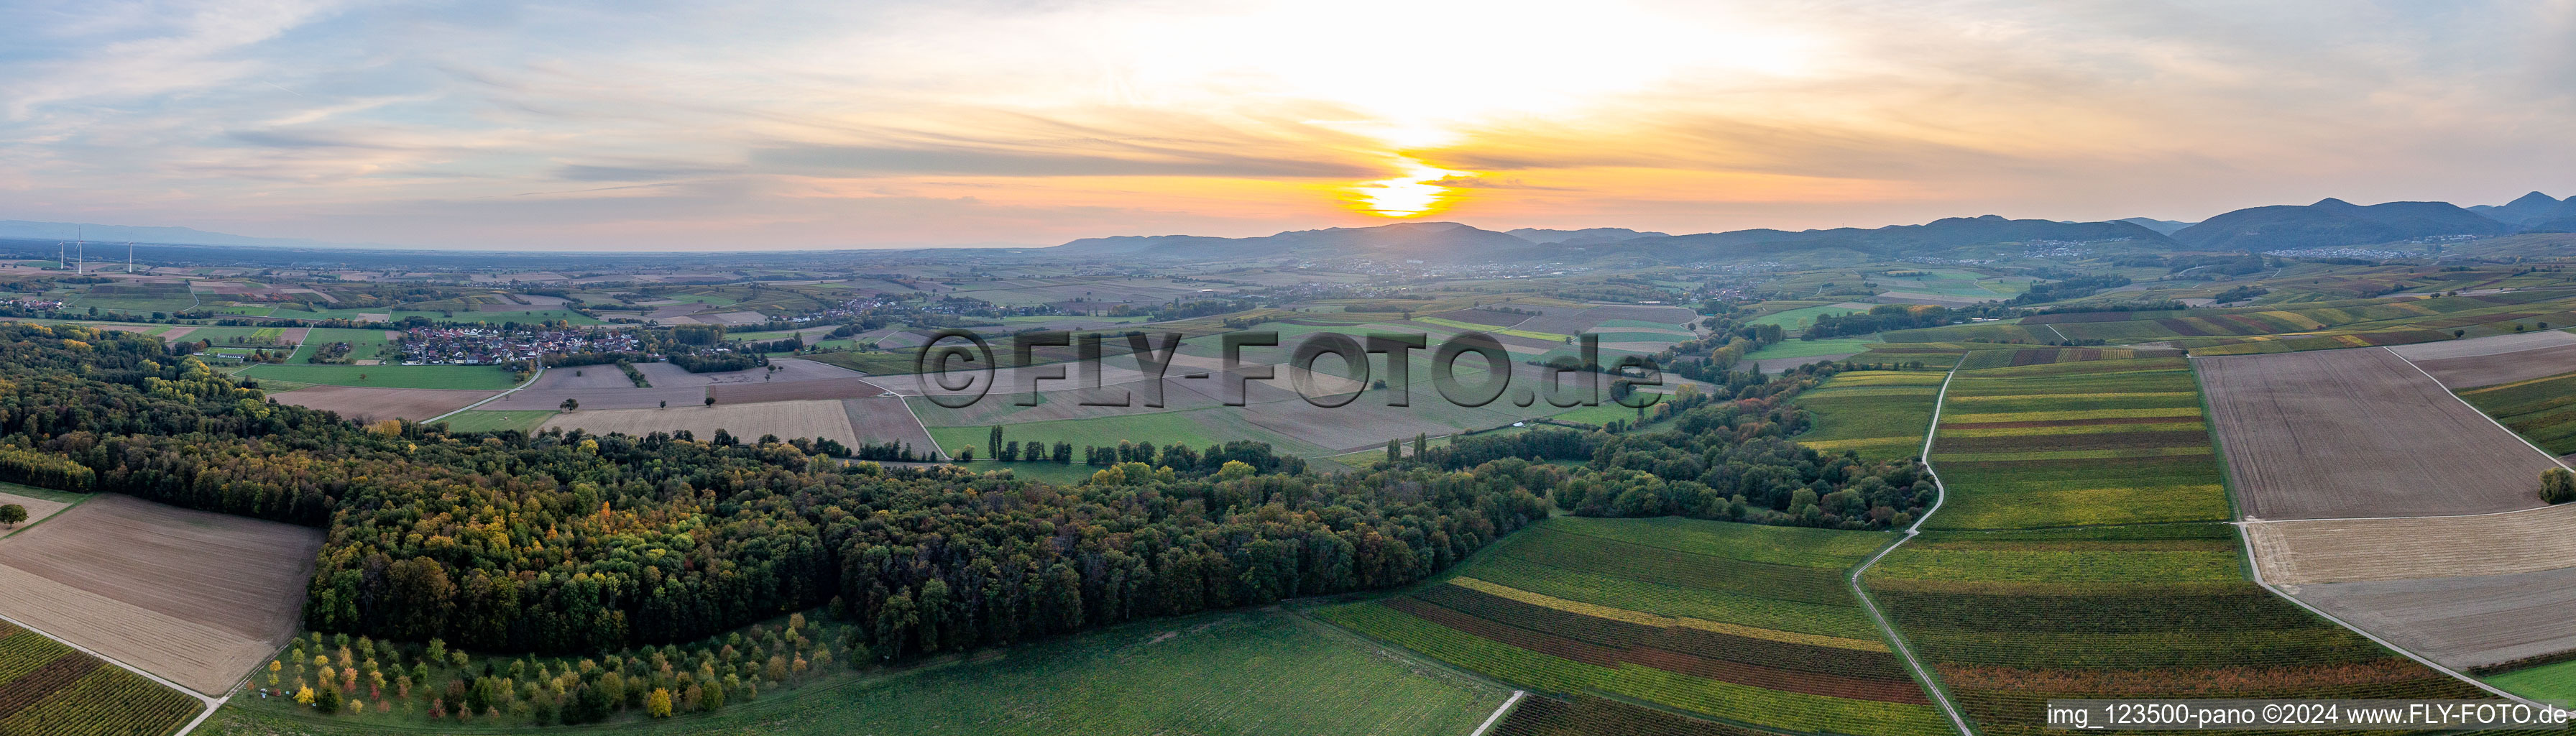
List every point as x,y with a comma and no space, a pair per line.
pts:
2360,433
195,597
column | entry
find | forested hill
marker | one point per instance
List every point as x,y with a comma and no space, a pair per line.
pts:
568,543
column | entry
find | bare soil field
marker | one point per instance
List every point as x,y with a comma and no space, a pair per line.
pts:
196,597
2489,345
2461,622
2359,433
883,419
37,508
787,419
2487,370
366,404
2336,551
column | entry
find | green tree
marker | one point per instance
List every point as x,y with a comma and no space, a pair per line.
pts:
2557,485
570,404
13,515
994,440
327,700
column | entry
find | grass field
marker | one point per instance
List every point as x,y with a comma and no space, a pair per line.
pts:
1880,414
50,689
481,377
1603,414
221,336
2556,682
2542,410
1739,623
1248,673
1796,320
363,344
496,421
2092,442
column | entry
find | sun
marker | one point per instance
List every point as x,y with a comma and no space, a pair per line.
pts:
1418,192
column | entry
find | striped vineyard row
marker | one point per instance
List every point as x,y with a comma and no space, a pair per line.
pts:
1616,611
50,689
2085,615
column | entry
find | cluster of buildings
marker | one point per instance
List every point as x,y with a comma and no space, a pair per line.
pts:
494,345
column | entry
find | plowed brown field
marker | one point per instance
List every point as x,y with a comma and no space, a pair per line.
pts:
195,597
2360,433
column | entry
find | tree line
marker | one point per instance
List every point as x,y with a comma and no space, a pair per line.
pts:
569,542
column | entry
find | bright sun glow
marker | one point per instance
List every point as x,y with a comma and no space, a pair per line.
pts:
1415,193
1430,74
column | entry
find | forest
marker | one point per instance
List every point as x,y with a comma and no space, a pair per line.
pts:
1709,460
565,542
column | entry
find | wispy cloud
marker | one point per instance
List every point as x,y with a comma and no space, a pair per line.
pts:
803,123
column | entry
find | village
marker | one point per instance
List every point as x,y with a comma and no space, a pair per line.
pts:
494,345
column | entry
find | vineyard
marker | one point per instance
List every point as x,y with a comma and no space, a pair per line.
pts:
2010,619
1744,625
2081,557
1981,359
2542,410
2277,329
2091,442
47,688
1879,414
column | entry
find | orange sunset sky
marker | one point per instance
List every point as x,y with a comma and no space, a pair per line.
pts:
643,125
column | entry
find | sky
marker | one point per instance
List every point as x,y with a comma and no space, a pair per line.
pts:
644,125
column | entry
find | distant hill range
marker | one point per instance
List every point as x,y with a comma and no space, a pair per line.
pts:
2329,223
1587,236
1450,242
2167,227
2334,222
94,233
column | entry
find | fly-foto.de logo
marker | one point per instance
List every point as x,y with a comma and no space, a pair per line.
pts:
958,368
